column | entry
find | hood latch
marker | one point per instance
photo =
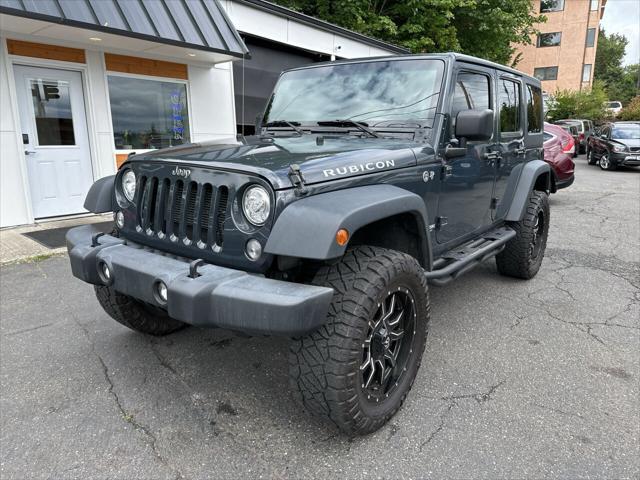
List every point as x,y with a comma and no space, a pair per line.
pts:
296,179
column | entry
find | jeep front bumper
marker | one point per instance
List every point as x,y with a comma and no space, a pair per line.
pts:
216,297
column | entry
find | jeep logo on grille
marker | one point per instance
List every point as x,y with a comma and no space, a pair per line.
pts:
181,172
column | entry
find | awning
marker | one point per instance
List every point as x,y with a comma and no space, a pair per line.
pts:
194,24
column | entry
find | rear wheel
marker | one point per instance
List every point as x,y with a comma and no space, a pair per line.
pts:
590,157
135,314
522,255
357,369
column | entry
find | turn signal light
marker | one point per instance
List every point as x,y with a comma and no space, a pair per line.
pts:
342,237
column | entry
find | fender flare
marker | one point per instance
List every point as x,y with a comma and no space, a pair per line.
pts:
307,227
100,196
531,172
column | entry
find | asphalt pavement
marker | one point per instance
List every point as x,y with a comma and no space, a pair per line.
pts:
520,379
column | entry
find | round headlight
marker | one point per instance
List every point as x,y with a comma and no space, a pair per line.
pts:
129,184
256,205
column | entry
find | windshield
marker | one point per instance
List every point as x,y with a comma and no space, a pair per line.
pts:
626,132
385,93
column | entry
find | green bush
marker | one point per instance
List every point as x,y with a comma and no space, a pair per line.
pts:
587,104
632,110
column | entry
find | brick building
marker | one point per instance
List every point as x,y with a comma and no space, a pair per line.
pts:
562,56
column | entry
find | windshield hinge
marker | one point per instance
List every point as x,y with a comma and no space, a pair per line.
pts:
296,179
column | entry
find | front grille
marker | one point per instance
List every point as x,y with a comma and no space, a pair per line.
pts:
182,211
634,149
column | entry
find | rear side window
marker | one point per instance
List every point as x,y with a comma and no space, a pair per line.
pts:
471,93
534,109
547,136
509,104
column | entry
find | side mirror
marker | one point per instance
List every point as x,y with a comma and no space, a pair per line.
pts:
474,124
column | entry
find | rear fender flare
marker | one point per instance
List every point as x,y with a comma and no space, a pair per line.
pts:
532,172
307,228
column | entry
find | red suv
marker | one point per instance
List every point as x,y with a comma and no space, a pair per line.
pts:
559,147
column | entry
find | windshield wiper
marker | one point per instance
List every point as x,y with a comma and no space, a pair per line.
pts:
341,123
285,123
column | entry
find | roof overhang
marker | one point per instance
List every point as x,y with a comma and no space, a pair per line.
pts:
198,30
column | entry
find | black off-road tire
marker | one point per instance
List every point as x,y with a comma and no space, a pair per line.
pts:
325,367
523,254
135,314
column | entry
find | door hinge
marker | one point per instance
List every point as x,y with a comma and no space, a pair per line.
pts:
494,203
447,171
441,222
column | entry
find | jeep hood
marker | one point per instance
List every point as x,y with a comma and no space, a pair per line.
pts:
320,157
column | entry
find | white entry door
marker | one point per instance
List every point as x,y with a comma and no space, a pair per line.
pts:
55,138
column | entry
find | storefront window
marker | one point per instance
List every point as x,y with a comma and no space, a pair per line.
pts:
148,114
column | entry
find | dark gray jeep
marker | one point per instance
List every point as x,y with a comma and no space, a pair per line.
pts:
368,180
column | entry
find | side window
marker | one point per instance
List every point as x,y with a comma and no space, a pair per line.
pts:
471,93
534,109
509,105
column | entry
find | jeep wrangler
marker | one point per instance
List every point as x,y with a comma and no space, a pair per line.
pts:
367,180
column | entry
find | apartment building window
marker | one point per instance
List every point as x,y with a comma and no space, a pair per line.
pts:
551,6
549,39
591,37
586,72
595,4
546,73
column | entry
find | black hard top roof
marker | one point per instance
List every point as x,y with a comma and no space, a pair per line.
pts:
449,56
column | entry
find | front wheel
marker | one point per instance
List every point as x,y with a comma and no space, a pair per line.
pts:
357,369
606,163
136,315
523,254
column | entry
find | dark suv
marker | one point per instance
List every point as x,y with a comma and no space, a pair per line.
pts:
616,144
368,180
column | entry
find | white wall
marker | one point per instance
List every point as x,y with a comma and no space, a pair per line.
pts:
212,113
297,34
14,208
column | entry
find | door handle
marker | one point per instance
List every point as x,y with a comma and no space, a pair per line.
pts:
520,151
29,152
492,155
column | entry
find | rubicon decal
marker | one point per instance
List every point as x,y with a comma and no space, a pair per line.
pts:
360,168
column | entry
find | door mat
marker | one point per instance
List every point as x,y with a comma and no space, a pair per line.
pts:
54,237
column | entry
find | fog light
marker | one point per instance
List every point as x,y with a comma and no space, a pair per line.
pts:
253,249
120,219
105,273
161,291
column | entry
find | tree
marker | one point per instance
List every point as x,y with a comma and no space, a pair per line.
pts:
621,83
632,110
587,104
484,28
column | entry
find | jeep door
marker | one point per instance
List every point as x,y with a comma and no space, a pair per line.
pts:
511,146
465,198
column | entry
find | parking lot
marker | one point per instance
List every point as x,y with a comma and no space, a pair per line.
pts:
519,379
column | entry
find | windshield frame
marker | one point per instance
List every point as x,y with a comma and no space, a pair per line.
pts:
437,106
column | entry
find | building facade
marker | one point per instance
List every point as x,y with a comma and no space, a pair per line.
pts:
84,83
562,56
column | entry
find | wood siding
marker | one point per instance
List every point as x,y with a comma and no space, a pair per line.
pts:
41,50
145,66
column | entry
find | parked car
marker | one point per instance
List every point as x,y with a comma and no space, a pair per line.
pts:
618,144
614,108
573,131
585,128
559,150
327,226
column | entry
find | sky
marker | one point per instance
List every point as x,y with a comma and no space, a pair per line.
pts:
623,16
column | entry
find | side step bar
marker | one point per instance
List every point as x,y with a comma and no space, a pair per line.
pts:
462,259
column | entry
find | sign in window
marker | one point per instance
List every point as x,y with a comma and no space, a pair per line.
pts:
148,114
52,110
